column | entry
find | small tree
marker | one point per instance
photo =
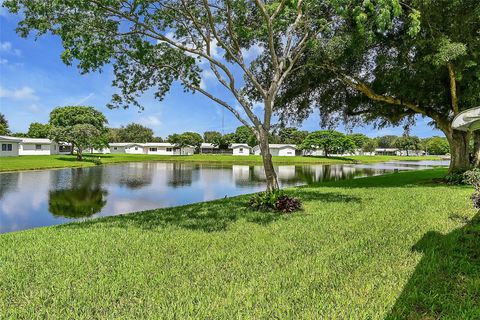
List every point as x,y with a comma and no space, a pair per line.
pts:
38,130
407,143
4,130
186,139
370,145
244,135
328,141
437,146
292,135
212,137
65,121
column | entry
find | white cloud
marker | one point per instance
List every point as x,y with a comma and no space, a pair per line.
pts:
206,77
252,52
7,47
25,93
3,61
151,120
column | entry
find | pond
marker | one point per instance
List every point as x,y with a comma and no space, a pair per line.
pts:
41,198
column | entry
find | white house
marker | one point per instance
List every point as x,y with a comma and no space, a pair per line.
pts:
208,148
240,149
37,147
287,150
9,146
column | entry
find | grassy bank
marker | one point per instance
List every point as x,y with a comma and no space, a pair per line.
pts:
66,161
396,246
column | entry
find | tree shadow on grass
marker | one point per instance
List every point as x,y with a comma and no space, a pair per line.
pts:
424,178
446,282
206,216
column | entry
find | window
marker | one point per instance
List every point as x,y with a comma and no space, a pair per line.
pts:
38,147
115,148
169,149
240,150
153,149
7,147
136,148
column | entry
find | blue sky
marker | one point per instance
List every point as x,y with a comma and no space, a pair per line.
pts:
34,80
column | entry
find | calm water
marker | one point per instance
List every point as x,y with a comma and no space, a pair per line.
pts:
42,198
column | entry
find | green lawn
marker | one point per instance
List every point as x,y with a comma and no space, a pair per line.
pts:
64,161
395,247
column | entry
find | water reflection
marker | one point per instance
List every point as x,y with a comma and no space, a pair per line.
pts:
41,198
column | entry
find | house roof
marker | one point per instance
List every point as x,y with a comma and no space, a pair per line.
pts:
239,145
279,146
386,149
12,139
159,144
124,144
36,140
208,145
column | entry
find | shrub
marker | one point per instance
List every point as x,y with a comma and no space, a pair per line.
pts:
288,204
97,161
472,177
456,177
274,201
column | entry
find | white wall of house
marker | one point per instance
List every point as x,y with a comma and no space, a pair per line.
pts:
8,148
134,149
35,149
160,150
286,152
241,150
117,149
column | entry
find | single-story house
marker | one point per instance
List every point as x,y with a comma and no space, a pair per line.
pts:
387,151
21,146
208,148
159,148
9,146
240,149
38,147
287,150
165,148
126,147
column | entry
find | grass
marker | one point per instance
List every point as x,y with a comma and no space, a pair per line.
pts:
66,161
395,247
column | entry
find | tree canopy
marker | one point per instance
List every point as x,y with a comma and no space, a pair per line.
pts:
135,132
391,77
83,127
328,141
186,139
38,130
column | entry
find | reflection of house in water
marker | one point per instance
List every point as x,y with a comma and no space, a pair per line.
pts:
181,174
286,172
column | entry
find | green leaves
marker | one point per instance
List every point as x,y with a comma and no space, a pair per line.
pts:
446,51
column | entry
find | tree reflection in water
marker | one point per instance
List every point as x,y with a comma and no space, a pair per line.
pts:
83,197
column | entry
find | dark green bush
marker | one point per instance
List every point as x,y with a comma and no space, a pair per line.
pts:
472,177
274,201
456,177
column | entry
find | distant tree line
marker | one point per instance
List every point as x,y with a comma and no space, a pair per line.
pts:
86,128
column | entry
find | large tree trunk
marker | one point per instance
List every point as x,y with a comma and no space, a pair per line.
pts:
476,148
458,141
271,175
